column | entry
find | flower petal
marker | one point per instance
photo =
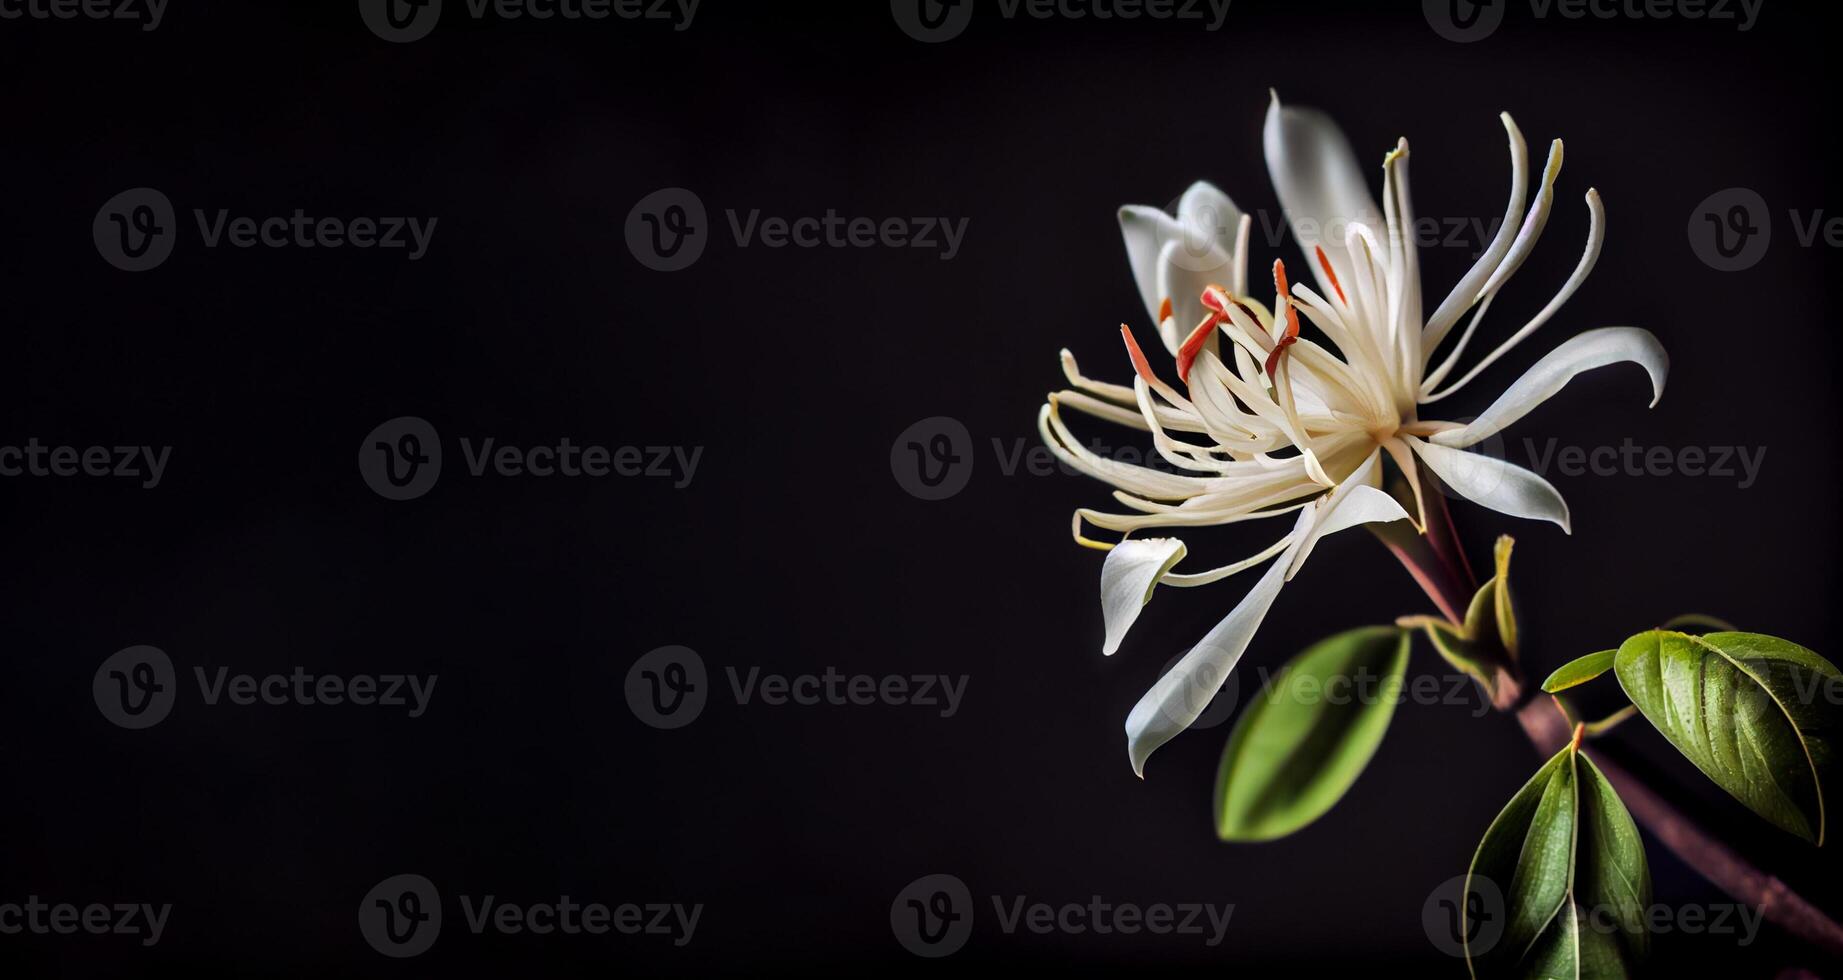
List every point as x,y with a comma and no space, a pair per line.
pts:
1205,232
1319,184
1146,230
1490,482
1128,576
1593,349
1182,274
1181,695
1185,690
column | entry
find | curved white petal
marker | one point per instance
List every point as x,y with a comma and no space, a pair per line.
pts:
1319,184
1182,274
1593,349
1365,505
1185,690
1128,576
1146,230
1206,231
1490,482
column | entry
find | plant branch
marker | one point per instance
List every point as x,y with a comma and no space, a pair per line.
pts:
1437,564
1697,848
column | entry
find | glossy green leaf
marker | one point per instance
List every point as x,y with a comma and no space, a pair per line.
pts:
1307,737
1756,714
1580,671
1559,886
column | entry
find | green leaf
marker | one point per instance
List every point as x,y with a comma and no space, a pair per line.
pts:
1304,741
1580,671
1756,714
1559,886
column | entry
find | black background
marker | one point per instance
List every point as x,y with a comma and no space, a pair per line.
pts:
794,549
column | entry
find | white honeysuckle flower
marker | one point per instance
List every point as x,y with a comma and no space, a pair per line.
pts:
1270,422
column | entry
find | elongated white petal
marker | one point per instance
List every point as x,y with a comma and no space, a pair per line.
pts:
1596,235
1128,577
1182,274
1180,696
1593,349
1146,230
1490,482
1320,186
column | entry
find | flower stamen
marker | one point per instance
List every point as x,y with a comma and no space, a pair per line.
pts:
1331,274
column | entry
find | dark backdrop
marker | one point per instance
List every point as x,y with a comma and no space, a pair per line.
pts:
794,548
